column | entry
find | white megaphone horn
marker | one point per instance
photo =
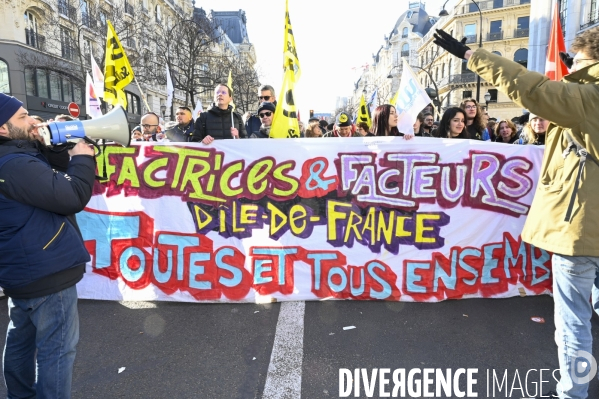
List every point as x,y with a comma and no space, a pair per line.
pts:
111,127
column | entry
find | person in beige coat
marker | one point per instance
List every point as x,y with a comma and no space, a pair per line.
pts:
564,216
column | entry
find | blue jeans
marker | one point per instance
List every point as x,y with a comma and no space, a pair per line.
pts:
575,282
46,328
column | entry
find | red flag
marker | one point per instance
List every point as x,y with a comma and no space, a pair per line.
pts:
555,69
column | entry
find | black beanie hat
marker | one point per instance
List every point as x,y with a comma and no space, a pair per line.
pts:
8,107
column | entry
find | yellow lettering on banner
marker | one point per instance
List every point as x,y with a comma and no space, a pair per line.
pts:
351,225
385,229
151,168
223,220
248,211
278,174
202,217
400,227
333,216
369,224
111,169
274,214
234,220
257,175
421,228
226,177
297,212
194,179
128,172
182,155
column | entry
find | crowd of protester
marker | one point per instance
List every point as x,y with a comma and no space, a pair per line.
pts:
468,121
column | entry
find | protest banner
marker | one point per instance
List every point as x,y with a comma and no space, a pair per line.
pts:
374,218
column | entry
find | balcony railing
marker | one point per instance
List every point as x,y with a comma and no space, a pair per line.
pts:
34,39
592,19
492,36
88,20
462,78
489,5
471,38
66,9
520,32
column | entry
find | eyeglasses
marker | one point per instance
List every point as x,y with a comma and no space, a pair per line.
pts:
264,98
223,92
470,107
265,114
148,126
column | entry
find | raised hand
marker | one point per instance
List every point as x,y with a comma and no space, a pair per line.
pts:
453,46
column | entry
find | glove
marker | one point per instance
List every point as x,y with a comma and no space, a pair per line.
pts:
566,59
446,41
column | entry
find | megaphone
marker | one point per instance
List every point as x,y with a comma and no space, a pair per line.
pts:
111,127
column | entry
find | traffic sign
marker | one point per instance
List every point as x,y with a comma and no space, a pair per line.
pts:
74,110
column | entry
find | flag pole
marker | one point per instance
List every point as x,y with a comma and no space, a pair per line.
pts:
143,97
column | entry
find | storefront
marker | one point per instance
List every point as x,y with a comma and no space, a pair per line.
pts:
49,93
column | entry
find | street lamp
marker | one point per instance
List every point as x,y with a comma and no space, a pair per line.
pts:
444,13
487,99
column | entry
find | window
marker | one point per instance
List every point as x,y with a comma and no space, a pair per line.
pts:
563,12
497,52
31,36
497,3
449,67
85,19
103,18
522,27
4,81
470,33
493,93
404,33
55,92
42,83
405,50
30,81
87,47
132,103
521,56
158,13
465,66
62,87
495,30
67,90
442,71
472,7
66,42
466,94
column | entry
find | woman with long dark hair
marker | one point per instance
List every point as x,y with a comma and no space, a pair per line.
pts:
384,122
474,118
453,124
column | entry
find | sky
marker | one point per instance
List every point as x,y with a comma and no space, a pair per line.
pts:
334,38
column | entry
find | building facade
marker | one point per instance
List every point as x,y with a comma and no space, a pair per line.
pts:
46,47
383,74
501,26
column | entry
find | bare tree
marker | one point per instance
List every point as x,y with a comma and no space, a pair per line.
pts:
73,28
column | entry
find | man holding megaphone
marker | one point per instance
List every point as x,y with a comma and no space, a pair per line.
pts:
42,255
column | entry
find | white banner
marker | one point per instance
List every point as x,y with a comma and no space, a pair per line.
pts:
306,219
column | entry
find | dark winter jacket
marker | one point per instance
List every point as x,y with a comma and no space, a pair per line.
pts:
41,251
216,122
180,134
253,124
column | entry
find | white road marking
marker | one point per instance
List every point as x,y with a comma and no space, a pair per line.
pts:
284,378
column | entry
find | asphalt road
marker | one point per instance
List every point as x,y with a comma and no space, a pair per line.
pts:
182,350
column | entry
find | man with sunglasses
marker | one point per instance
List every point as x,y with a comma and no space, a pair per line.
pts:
266,93
266,112
564,216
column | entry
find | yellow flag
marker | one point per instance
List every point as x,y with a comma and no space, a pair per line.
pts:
285,123
363,115
230,84
395,98
117,70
